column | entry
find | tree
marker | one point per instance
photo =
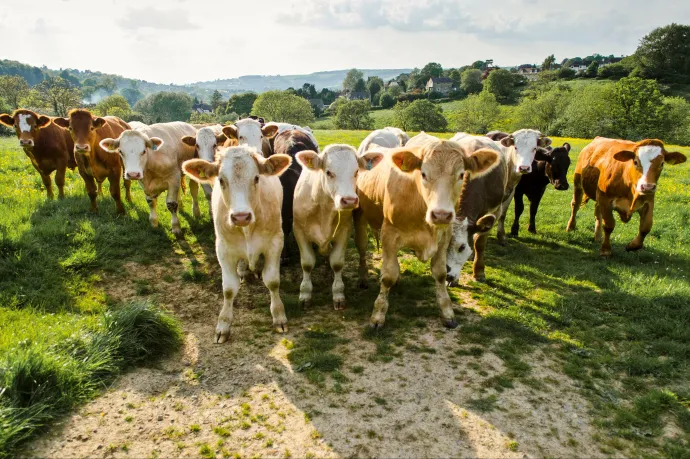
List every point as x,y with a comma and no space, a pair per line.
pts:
613,71
471,81
360,86
12,89
163,107
216,100
115,105
241,103
354,114
592,70
59,95
65,75
351,79
543,110
548,62
420,115
283,107
592,113
479,65
566,73
641,110
501,84
395,90
432,70
456,76
387,100
676,127
664,53
476,114
133,95
374,86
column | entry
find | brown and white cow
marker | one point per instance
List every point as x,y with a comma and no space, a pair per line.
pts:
620,175
251,132
49,148
96,164
325,196
411,197
206,141
246,201
388,137
154,155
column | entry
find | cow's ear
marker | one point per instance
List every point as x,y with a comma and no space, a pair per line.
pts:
566,145
220,139
274,165
508,141
7,120
544,141
110,145
485,223
189,140
42,121
230,131
481,162
156,143
543,155
624,155
200,170
62,122
269,131
406,161
98,122
309,160
370,160
674,158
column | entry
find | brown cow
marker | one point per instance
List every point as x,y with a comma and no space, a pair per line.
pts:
96,164
410,197
48,147
620,175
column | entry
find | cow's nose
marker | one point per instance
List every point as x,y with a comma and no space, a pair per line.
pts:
448,269
241,218
648,187
524,169
133,175
82,147
349,202
26,143
441,216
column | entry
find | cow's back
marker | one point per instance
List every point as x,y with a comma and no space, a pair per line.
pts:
382,138
52,146
172,134
112,128
598,169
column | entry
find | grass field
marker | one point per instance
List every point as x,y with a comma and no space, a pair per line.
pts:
618,328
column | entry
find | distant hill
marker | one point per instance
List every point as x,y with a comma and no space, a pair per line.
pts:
203,89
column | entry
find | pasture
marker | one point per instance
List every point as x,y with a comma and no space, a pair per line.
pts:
559,353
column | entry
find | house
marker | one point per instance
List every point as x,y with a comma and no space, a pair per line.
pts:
579,67
529,71
610,60
202,108
441,85
358,95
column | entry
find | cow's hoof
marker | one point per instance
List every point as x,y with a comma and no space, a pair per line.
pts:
222,333
363,284
280,328
532,230
177,232
605,253
632,247
570,228
450,323
513,234
305,303
481,278
339,305
502,241
375,325
154,223
453,283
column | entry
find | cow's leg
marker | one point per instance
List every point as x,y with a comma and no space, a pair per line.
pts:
578,192
597,223
231,285
337,259
114,180
208,192
271,277
390,270
361,240
646,222
91,190
194,191
533,208
100,188
519,208
152,201
501,232
48,184
439,271
606,209
128,190
172,203
479,248
60,180
307,260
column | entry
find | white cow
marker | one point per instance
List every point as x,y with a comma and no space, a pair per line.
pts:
154,155
205,143
250,132
325,196
282,127
247,198
388,137
136,124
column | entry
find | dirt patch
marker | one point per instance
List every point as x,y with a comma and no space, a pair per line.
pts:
245,397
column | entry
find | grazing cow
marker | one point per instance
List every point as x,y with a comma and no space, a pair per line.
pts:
246,216
282,127
290,143
252,133
48,147
459,250
325,197
205,143
620,175
410,197
388,137
553,168
154,155
96,164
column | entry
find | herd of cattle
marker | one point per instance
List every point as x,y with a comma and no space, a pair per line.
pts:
268,181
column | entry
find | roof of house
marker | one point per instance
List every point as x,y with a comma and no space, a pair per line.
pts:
527,66
440,80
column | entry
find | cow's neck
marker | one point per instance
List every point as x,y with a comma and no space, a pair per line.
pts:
511,160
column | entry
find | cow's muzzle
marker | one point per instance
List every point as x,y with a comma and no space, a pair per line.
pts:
133,176
647,188
349,202
26,142
524,169
82,148
441,217
560,186
241,218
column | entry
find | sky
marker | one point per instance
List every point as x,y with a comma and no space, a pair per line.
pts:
184,41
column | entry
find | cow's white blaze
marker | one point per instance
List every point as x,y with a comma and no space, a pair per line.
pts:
249,133
526,141
237,180
24,125
134,153
647,154
459,249
206,141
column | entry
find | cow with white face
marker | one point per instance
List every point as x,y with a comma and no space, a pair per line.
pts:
205,143
522,146
325,197
252,133
154,155
246,202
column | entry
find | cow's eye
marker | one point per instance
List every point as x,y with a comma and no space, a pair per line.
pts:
462,247
423,175
637,163
356,173
256,180
222,182
330,174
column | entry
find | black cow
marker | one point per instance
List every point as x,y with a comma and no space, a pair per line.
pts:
552,167
290,143
496,136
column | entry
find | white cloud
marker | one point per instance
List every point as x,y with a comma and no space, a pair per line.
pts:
154,18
